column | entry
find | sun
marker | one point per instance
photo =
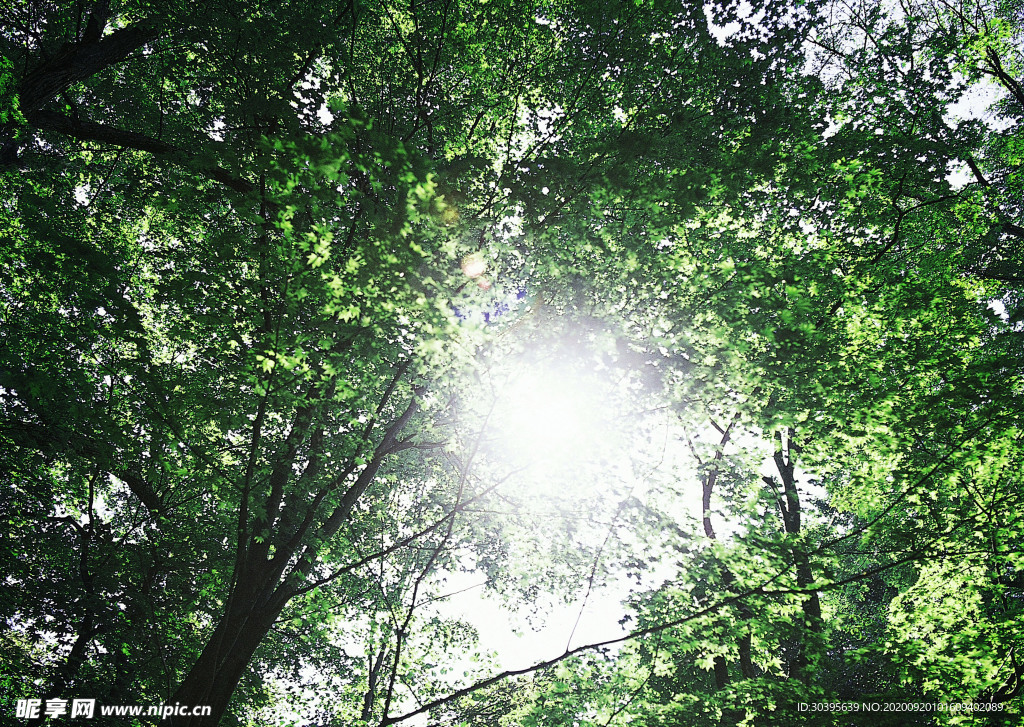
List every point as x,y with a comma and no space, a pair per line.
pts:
551,414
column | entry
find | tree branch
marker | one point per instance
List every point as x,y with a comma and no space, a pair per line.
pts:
77,62
759,590
85,130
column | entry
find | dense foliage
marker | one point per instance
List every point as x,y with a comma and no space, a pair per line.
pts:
290,295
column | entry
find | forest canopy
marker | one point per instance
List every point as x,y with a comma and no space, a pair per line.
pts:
311,312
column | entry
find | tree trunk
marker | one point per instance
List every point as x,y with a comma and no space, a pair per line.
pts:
215,675
789,506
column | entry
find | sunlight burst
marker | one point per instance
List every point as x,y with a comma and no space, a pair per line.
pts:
551,414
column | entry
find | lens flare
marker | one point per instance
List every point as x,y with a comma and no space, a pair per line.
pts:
474,265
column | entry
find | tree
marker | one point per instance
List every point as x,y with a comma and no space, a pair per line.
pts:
271,268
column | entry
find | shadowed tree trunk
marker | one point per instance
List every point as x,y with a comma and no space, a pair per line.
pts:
789,508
